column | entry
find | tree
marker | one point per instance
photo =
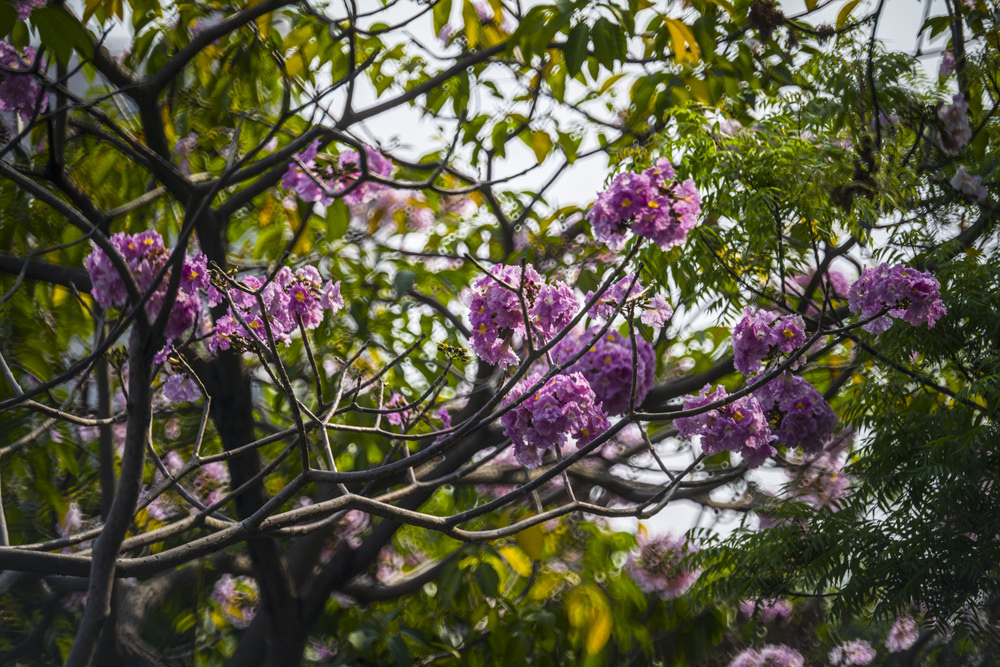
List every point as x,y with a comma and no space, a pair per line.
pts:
278,388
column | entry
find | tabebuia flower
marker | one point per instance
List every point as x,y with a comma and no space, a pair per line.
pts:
350,171
564,407
314,183
969,185
739,426
957,132
910,295
798,414
607,366
658,565
767,611
822,483
237,598
771,655
20,92
653,204
496,313
762,334
903,634
291,298
606,304
856,652
146,256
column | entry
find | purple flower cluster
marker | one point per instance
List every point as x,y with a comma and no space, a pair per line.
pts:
179,388
605,305
236,598
761,334
767,611
771,655
658,566
607,366
145,255
823,482
565,406
957,131
903,634
798,413
911,295
856,652
20,92
25,7
739,426
288,299
210,483
314,183
496,313
656,205
969,185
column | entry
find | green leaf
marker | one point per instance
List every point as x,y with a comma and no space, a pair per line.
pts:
441,15
604,42
61,32
488,579
845,13
8,17
576,48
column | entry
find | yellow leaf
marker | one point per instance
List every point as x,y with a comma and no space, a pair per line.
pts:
728,6
265,213
168,125
59,295
90,8
699,89
845,13
517,559
472,24
544,586
531,540
295,64
541,143
600,626
685,45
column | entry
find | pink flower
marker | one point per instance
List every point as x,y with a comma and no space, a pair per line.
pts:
760,335
564,407
957,131
903,634
911,295
658,566
738,427
971,186
799,413
856,652
771,655
607,366
21,92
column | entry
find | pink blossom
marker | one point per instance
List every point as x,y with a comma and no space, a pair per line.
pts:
971,186
564,407
911,295
21,92
903,634
957,132
761,334
739,426
607,366
856,652
658,566
800,415
771,655
767,611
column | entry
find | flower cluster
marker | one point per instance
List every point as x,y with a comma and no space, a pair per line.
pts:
656,205
289,299
564,406
210,483
771,655
25,7
313,183
797,412
911,295
658,566
20,92
496,311
237,598
856,652
767,611
822,483
761,334
607,366
145,255
957,131
969,185
739,426
903,634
